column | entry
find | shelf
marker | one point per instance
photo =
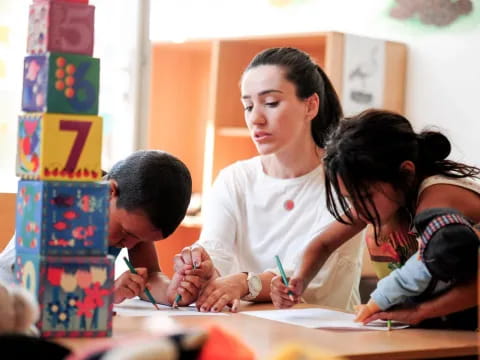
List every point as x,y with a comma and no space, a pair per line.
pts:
234,131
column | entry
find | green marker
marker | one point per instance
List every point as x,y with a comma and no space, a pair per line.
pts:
284,277
147,292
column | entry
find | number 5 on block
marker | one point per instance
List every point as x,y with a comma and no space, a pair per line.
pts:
59,147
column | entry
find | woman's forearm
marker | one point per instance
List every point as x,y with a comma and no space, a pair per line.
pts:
461,297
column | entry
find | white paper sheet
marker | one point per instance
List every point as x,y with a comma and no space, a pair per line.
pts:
138,307
321,318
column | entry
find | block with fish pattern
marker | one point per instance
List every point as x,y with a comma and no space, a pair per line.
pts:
62,218
74,293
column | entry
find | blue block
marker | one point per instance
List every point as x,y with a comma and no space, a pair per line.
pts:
75,294
62,218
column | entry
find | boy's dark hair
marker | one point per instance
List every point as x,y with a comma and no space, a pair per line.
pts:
308,79
155,182
370,147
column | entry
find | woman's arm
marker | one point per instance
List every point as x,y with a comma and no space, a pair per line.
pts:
460,297
313,258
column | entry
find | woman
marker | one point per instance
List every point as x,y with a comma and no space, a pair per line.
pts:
273,204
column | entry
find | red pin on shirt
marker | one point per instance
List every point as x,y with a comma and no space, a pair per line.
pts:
289,205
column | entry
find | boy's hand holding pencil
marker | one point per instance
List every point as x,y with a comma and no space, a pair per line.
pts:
140,275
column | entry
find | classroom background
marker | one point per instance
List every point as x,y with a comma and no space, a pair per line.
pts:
440,84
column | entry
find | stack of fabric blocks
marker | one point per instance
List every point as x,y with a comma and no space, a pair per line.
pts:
62,206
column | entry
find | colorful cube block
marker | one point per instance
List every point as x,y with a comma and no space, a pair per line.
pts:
59,147
62,218
61,26
75,294
61,83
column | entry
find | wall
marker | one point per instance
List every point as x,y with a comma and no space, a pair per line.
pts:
443,76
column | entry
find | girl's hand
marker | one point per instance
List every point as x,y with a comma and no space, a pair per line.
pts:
285,297
221,292
198,260
365,311
129,285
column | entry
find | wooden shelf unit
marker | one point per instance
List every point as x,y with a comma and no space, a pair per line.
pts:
195,110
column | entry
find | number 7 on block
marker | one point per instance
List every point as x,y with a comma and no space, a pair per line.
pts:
82,128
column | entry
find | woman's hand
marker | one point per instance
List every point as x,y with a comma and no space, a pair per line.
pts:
223,291
129,285
187,286
284,297
194,260
410,315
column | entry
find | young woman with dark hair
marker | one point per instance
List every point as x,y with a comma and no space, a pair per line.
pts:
273,204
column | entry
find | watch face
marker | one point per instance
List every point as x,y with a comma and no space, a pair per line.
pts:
256,283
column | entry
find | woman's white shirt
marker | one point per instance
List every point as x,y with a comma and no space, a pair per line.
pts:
246,222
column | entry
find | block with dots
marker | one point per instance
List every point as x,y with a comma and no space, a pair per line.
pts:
61,83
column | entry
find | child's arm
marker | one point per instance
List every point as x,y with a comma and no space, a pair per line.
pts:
460,297
314,256
321,247
411,279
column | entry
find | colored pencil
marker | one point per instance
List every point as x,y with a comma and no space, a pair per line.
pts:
284,277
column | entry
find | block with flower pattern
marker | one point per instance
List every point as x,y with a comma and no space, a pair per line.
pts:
59,147
61,26
74,293
61,83
62,218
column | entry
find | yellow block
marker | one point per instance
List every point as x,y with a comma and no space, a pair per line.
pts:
68,147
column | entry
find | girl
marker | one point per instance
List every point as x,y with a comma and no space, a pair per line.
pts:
388,176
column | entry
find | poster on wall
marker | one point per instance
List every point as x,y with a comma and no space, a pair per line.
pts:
363,74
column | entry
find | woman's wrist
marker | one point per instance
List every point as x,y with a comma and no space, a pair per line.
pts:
423,312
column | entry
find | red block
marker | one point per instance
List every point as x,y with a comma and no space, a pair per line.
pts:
58,26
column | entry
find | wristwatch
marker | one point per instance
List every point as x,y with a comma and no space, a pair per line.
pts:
254,286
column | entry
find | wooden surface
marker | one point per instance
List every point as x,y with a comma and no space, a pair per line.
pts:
266,336
7,218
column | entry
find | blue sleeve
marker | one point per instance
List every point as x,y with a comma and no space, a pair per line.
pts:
411,279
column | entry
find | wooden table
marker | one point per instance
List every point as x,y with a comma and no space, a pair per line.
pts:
266,336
